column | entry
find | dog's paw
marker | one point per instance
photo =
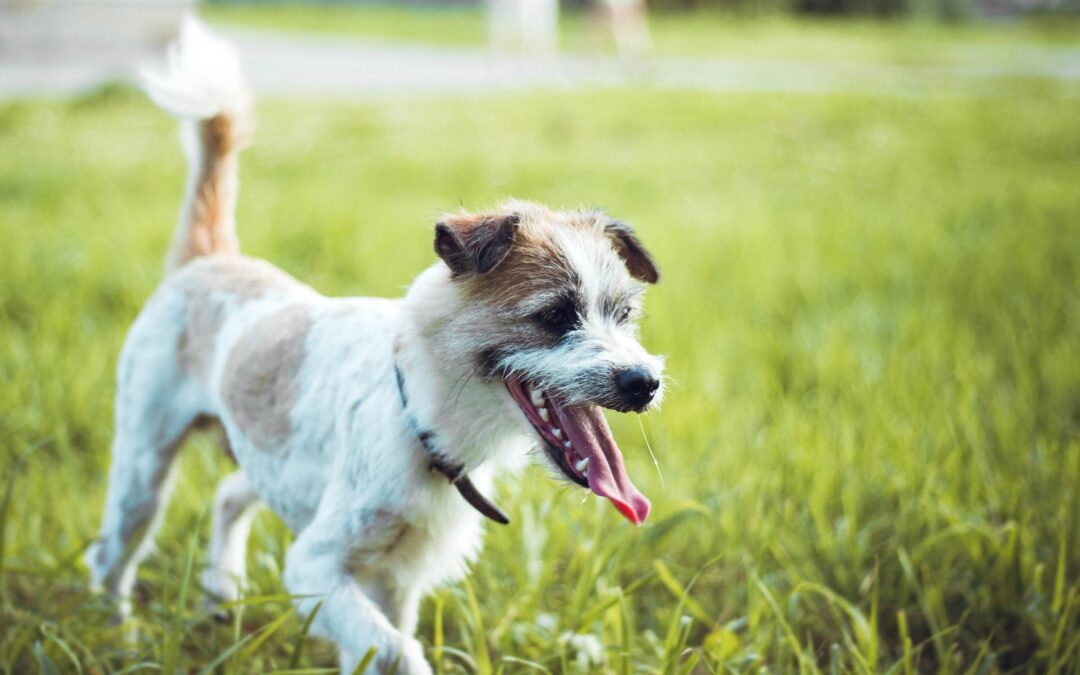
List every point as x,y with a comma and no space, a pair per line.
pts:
406,659
411,659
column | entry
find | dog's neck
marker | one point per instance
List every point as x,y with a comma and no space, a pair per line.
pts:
455,474
471,420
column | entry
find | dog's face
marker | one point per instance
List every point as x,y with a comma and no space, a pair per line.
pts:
550,308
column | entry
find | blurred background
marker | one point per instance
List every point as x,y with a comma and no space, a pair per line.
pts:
362,49
867,217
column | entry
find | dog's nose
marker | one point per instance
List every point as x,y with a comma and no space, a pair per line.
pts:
638,384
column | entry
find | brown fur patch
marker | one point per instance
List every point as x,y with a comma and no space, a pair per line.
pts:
206,284
638,261
498,316
209,208
210,228
385,533
260,383
504,307
533,265
195,346
536,264
475,243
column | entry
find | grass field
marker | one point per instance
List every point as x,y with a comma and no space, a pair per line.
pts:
870,306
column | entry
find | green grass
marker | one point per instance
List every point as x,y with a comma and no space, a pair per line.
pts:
870,307
915,42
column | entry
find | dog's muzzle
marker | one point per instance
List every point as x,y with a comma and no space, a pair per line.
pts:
579,442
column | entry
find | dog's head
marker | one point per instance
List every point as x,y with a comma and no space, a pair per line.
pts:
550,303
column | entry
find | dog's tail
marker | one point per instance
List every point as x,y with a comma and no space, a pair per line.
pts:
201,84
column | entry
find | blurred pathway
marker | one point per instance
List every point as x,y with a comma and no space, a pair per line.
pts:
348,68
290,65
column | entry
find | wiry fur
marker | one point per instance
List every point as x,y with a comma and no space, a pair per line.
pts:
305,386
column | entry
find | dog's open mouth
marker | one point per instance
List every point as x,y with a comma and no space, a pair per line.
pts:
580,443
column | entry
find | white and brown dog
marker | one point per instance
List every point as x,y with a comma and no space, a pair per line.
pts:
372,427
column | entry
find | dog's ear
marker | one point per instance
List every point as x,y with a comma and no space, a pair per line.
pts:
637,259
475,243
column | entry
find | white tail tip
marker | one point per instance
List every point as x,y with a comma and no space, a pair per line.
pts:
201,76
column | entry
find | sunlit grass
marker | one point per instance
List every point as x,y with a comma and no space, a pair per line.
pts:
870,309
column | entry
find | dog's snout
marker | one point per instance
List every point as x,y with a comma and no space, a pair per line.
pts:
638,385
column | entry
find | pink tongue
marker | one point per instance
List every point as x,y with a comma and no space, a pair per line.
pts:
591,436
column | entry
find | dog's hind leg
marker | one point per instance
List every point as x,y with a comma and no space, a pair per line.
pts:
234,510
153,415
138,480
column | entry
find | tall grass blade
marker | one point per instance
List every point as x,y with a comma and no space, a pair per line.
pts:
45,664
14,468
778,614
483,659
226,654
264,634
365,663
302,638
677,589
437,639
50,632
170,660
928,612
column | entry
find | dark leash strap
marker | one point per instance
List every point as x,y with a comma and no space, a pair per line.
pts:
455,473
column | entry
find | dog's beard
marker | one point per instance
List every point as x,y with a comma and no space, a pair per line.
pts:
580,444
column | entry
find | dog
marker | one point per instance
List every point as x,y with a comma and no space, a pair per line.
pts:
372,427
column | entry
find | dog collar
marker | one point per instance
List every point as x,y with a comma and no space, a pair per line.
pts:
455,473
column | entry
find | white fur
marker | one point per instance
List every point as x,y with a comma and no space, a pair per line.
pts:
201,77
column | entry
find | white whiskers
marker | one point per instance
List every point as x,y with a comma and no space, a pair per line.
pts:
651,454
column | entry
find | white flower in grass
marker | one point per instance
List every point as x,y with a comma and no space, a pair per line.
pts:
587,649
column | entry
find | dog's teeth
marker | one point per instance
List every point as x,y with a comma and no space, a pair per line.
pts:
582,465
567,444
537,397
556,432
543,414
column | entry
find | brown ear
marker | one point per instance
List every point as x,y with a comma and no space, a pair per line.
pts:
637,259
475,243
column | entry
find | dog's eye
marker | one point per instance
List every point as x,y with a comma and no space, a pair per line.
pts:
623,314
559,317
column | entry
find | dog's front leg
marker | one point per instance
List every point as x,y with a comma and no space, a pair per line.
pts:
321,567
